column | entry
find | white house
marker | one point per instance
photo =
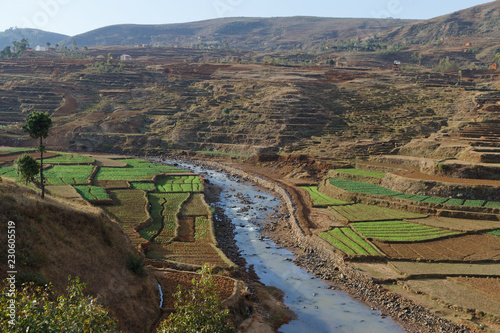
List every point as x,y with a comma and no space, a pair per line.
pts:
39,48
125,57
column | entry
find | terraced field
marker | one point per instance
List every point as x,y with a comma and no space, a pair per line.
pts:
179,184
194,206
89,192
349,242
64,158
320,199
136,170
68,174
129,209
366,188
362,212
400,231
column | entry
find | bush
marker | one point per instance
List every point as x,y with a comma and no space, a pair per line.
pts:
198,310
36,312
136,264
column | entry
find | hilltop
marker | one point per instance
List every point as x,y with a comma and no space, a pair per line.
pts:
481,22
34,36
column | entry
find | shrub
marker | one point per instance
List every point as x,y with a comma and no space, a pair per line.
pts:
35,311
136,264
198,310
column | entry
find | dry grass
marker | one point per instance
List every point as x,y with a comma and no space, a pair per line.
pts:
57,238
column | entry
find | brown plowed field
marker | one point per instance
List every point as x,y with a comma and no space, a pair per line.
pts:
489,286
12,158
470,247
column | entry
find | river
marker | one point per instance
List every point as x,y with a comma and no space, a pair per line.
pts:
318,308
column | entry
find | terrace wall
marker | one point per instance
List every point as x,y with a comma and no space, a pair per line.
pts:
441,189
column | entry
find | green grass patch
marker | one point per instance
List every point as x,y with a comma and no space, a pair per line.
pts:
400,231
492,204
360,172
456,202
65,158
494,233
143,186
321,199
16,150
474,203
10,172
435,200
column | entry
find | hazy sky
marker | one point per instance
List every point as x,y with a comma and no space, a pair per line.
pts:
72,17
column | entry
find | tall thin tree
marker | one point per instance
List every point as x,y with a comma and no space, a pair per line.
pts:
38,125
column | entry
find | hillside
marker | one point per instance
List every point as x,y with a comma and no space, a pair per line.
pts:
56,239
481,21
242,33
34,36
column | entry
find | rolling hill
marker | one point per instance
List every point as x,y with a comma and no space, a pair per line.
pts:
243,33
34,36
480,21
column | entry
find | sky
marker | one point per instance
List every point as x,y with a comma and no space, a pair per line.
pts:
72,17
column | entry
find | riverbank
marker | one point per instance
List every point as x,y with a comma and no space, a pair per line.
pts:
291,232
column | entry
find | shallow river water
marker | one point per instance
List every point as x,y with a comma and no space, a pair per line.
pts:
318,308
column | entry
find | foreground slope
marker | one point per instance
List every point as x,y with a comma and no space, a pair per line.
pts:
57,239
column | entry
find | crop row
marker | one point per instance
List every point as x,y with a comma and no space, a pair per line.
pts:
179,184
89,192
321,199
362,212
164,208
361,187
68,174
137,170
400,231
160,168
366,188
362,172
349,242
129,208
194,206
190,253
202,230
143,186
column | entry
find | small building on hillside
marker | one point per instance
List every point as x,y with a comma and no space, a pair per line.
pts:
494,66
125,57
39,48
397,65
